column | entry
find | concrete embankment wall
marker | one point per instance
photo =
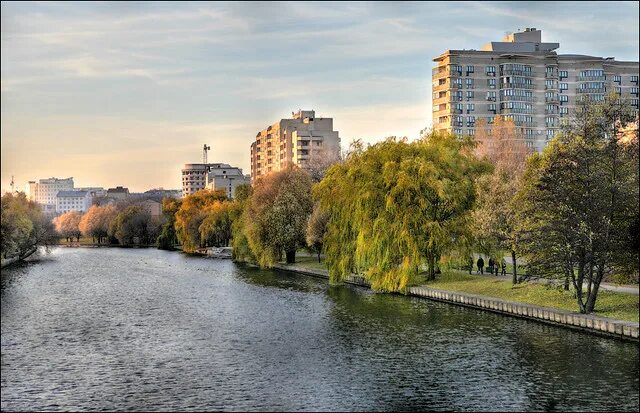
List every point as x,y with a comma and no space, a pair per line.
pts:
593,324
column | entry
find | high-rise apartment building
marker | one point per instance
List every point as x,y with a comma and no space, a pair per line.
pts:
45,191
524,79
295,141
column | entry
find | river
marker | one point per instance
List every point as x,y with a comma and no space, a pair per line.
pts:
142,329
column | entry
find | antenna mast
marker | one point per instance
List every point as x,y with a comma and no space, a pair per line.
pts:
205,149
12,183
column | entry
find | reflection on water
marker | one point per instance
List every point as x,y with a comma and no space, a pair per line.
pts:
118,329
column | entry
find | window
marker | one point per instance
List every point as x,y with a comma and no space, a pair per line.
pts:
564,98
491,70
564,86
564,74
491,107
491,83
634,91
471,121
617,79
469,94
470,107
457,82
491,96
469,69
634,79
469,83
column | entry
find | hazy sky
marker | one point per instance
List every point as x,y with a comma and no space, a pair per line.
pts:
125,93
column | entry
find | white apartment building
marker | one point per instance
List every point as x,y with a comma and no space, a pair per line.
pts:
45,191
227,178
198,176
73,201
293,141
523,79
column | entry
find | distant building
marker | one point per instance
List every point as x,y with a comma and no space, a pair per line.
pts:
45,191
154,207
73,201
118,192
95,191
198,176
163,193
226,178
295,141
525,80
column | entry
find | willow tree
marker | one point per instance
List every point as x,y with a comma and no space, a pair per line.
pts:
396,206
276,215
502,144
190,215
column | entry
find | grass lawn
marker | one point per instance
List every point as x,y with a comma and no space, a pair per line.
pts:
610,304
310,262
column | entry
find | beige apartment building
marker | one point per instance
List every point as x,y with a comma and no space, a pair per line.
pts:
214,176
523,79
295,141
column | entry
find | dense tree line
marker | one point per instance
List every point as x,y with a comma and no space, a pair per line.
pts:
23,227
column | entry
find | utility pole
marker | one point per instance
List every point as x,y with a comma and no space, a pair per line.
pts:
205,149
12,184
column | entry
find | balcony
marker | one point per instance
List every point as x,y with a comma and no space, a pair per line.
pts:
517,86
590,78
515,72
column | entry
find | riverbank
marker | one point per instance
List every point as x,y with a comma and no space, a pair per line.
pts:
5,262
593,324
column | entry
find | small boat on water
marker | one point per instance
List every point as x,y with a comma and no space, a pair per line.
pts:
219,252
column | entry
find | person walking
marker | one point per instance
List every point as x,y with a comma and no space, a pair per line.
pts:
504,267
496,267
490,266
480,264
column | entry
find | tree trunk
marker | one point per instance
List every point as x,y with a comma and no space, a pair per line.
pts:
593,294
318,255
515,267
291,257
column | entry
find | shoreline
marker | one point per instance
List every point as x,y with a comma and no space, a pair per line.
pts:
601,326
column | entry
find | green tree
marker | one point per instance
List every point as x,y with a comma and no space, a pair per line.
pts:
190,215
23,226
241,250
396,206
316,229
579,200
276,215
215,229
132,224
168,237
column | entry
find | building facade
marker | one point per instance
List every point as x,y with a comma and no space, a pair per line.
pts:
525,80
295,141
73,201
118,192
45,191
198,176
226,178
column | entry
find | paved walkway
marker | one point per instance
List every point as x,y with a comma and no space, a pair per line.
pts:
626,289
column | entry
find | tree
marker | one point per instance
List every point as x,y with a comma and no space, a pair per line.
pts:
320,161
68,225
276,215
504,146
23,227
168,237
191,214
579,200
239,242
132,224
215,229
316,229
96,221
396,206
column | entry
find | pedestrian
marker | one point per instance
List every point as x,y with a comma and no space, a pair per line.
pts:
480,264
504,267
496,267
490,266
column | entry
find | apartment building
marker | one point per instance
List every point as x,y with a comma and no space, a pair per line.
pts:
45,191
73,201
198,176
295,141
523,79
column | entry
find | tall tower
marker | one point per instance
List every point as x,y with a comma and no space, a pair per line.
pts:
205,149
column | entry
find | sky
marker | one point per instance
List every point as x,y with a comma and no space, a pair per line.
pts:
126,93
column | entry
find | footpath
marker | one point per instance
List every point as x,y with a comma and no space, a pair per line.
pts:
596,325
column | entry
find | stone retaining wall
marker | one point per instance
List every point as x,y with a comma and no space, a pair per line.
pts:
599,325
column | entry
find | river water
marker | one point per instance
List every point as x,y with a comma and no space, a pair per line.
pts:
135,329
